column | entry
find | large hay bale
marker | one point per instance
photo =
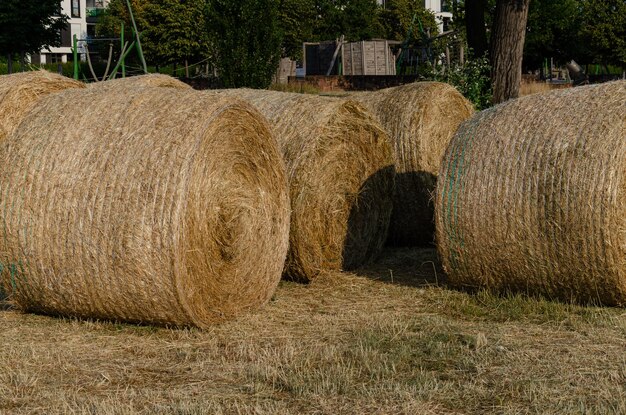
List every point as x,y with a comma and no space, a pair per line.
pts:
21,91
340,171
149,80
421,119
147,205
532,197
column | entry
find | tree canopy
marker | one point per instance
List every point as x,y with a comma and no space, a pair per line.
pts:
246,40
175,31
30,25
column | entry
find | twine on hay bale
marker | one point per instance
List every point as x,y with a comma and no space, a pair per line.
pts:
149,80
131,206
532,197
21,91
340,171
421,119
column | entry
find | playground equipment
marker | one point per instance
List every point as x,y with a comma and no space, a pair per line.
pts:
126,48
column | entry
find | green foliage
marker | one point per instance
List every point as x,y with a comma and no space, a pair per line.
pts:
30,25
552,31
397,19
604,30
175,31
472,79
356,19
109,25
246,40
296,20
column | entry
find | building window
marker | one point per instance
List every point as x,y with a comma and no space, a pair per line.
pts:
75,8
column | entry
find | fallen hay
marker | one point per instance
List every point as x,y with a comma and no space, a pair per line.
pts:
131,206
150,80
421,119
532,197
21,91
340,170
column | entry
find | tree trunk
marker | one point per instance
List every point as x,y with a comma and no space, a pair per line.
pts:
9,63
475,26
186,68
507,48
22,61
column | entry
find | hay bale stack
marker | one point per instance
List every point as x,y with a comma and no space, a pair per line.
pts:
532,197
421,119
150,80
340,170
21,91
131,206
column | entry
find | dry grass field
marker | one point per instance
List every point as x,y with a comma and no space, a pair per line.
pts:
388,339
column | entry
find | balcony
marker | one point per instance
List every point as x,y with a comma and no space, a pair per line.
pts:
94,9
94,12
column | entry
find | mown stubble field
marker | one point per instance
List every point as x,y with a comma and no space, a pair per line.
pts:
388,339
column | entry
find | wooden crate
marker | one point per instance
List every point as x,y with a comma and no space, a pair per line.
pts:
372,57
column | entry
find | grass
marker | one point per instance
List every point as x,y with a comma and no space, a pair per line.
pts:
298,87
387,339
529,88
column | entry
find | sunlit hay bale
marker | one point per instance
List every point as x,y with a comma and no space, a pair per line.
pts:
532,197
128,205
152,80
21,91
421,119
341,174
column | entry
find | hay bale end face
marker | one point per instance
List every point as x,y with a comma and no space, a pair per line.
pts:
421,119
149,80
21,91
340,171
532,197
129,206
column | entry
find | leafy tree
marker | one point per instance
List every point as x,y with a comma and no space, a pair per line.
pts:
604,30
401,16
175,31
552,31
356,19
29,26
246,40
297,22
117,12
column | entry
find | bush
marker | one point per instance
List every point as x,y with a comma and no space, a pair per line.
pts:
472,79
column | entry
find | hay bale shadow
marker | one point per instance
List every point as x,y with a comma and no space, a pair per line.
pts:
413,215
368,220
408,266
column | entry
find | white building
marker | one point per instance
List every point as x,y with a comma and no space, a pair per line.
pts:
83,15
438,7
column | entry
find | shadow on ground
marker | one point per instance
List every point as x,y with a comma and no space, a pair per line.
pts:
413,267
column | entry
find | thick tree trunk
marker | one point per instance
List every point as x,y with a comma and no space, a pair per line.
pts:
475,26
507,48
9,63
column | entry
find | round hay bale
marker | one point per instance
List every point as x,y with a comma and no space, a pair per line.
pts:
532,197
21,91
141,209
421,119
149,80
340,172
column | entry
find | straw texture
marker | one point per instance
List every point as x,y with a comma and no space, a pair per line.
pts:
131,206
532,197
340,171
421,119
152,80
21,91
